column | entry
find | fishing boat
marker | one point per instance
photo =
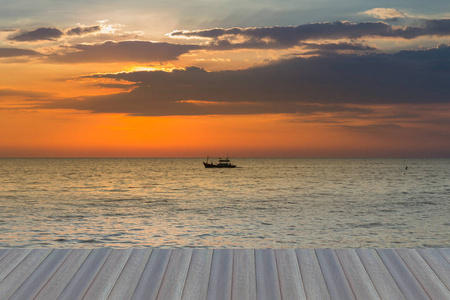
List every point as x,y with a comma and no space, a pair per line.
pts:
223,163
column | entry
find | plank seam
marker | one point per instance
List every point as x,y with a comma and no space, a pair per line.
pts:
364,268
143,271
187,274
165,274
121,271
210,272
444,256
346,275
278,272
300,271
232,275
96,275
417,279
321,270
45,284
16,265
371,279
392,275
423,257
31,272
256,274
8,251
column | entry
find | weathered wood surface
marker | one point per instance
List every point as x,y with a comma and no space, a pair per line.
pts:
203,274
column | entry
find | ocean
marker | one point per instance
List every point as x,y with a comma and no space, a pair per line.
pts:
264,203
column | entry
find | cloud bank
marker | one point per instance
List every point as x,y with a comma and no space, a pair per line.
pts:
286,37
407,77
136,51
52,34
13,52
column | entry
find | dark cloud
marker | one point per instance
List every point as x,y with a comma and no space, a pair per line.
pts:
115,85
22,93
374,127
83,30
285,37
39,34
13,52
282,87
339,46
137,51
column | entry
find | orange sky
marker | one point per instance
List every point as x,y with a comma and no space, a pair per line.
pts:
41,94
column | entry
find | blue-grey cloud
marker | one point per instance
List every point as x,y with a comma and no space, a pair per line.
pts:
339,46
40,34
136,51
289,36
13,52
282,86
83,30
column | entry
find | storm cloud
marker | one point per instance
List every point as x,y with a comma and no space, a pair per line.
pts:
136,51
287,86
286,37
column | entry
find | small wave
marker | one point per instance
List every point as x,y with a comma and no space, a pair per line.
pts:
88,241
367,225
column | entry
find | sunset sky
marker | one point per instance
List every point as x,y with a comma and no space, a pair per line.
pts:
270,78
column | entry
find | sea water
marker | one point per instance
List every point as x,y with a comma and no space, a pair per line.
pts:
264,203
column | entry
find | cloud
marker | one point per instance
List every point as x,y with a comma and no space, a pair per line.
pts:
386,13
22,93
13,52
83,30
339,46
286,37
40,34
52,34
136,51
286,86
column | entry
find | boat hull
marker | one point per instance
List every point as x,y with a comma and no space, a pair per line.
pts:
210,165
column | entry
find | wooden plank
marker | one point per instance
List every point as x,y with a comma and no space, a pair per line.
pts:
334,275
406,281
81,281
312,277
291,285
11,260
21,272
220,278
173,282
243,284
445,253
379,275
356,274
107,276
267,282
33,284
424,274
3,253
130,275
153,274
58,282
438,264
196,285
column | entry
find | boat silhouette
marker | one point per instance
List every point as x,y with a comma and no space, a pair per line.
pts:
223,163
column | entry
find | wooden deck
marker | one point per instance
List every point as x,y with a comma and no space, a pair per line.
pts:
224,274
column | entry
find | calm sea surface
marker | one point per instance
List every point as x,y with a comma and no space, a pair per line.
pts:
274,203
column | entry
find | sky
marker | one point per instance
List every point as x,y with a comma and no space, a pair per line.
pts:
350,78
